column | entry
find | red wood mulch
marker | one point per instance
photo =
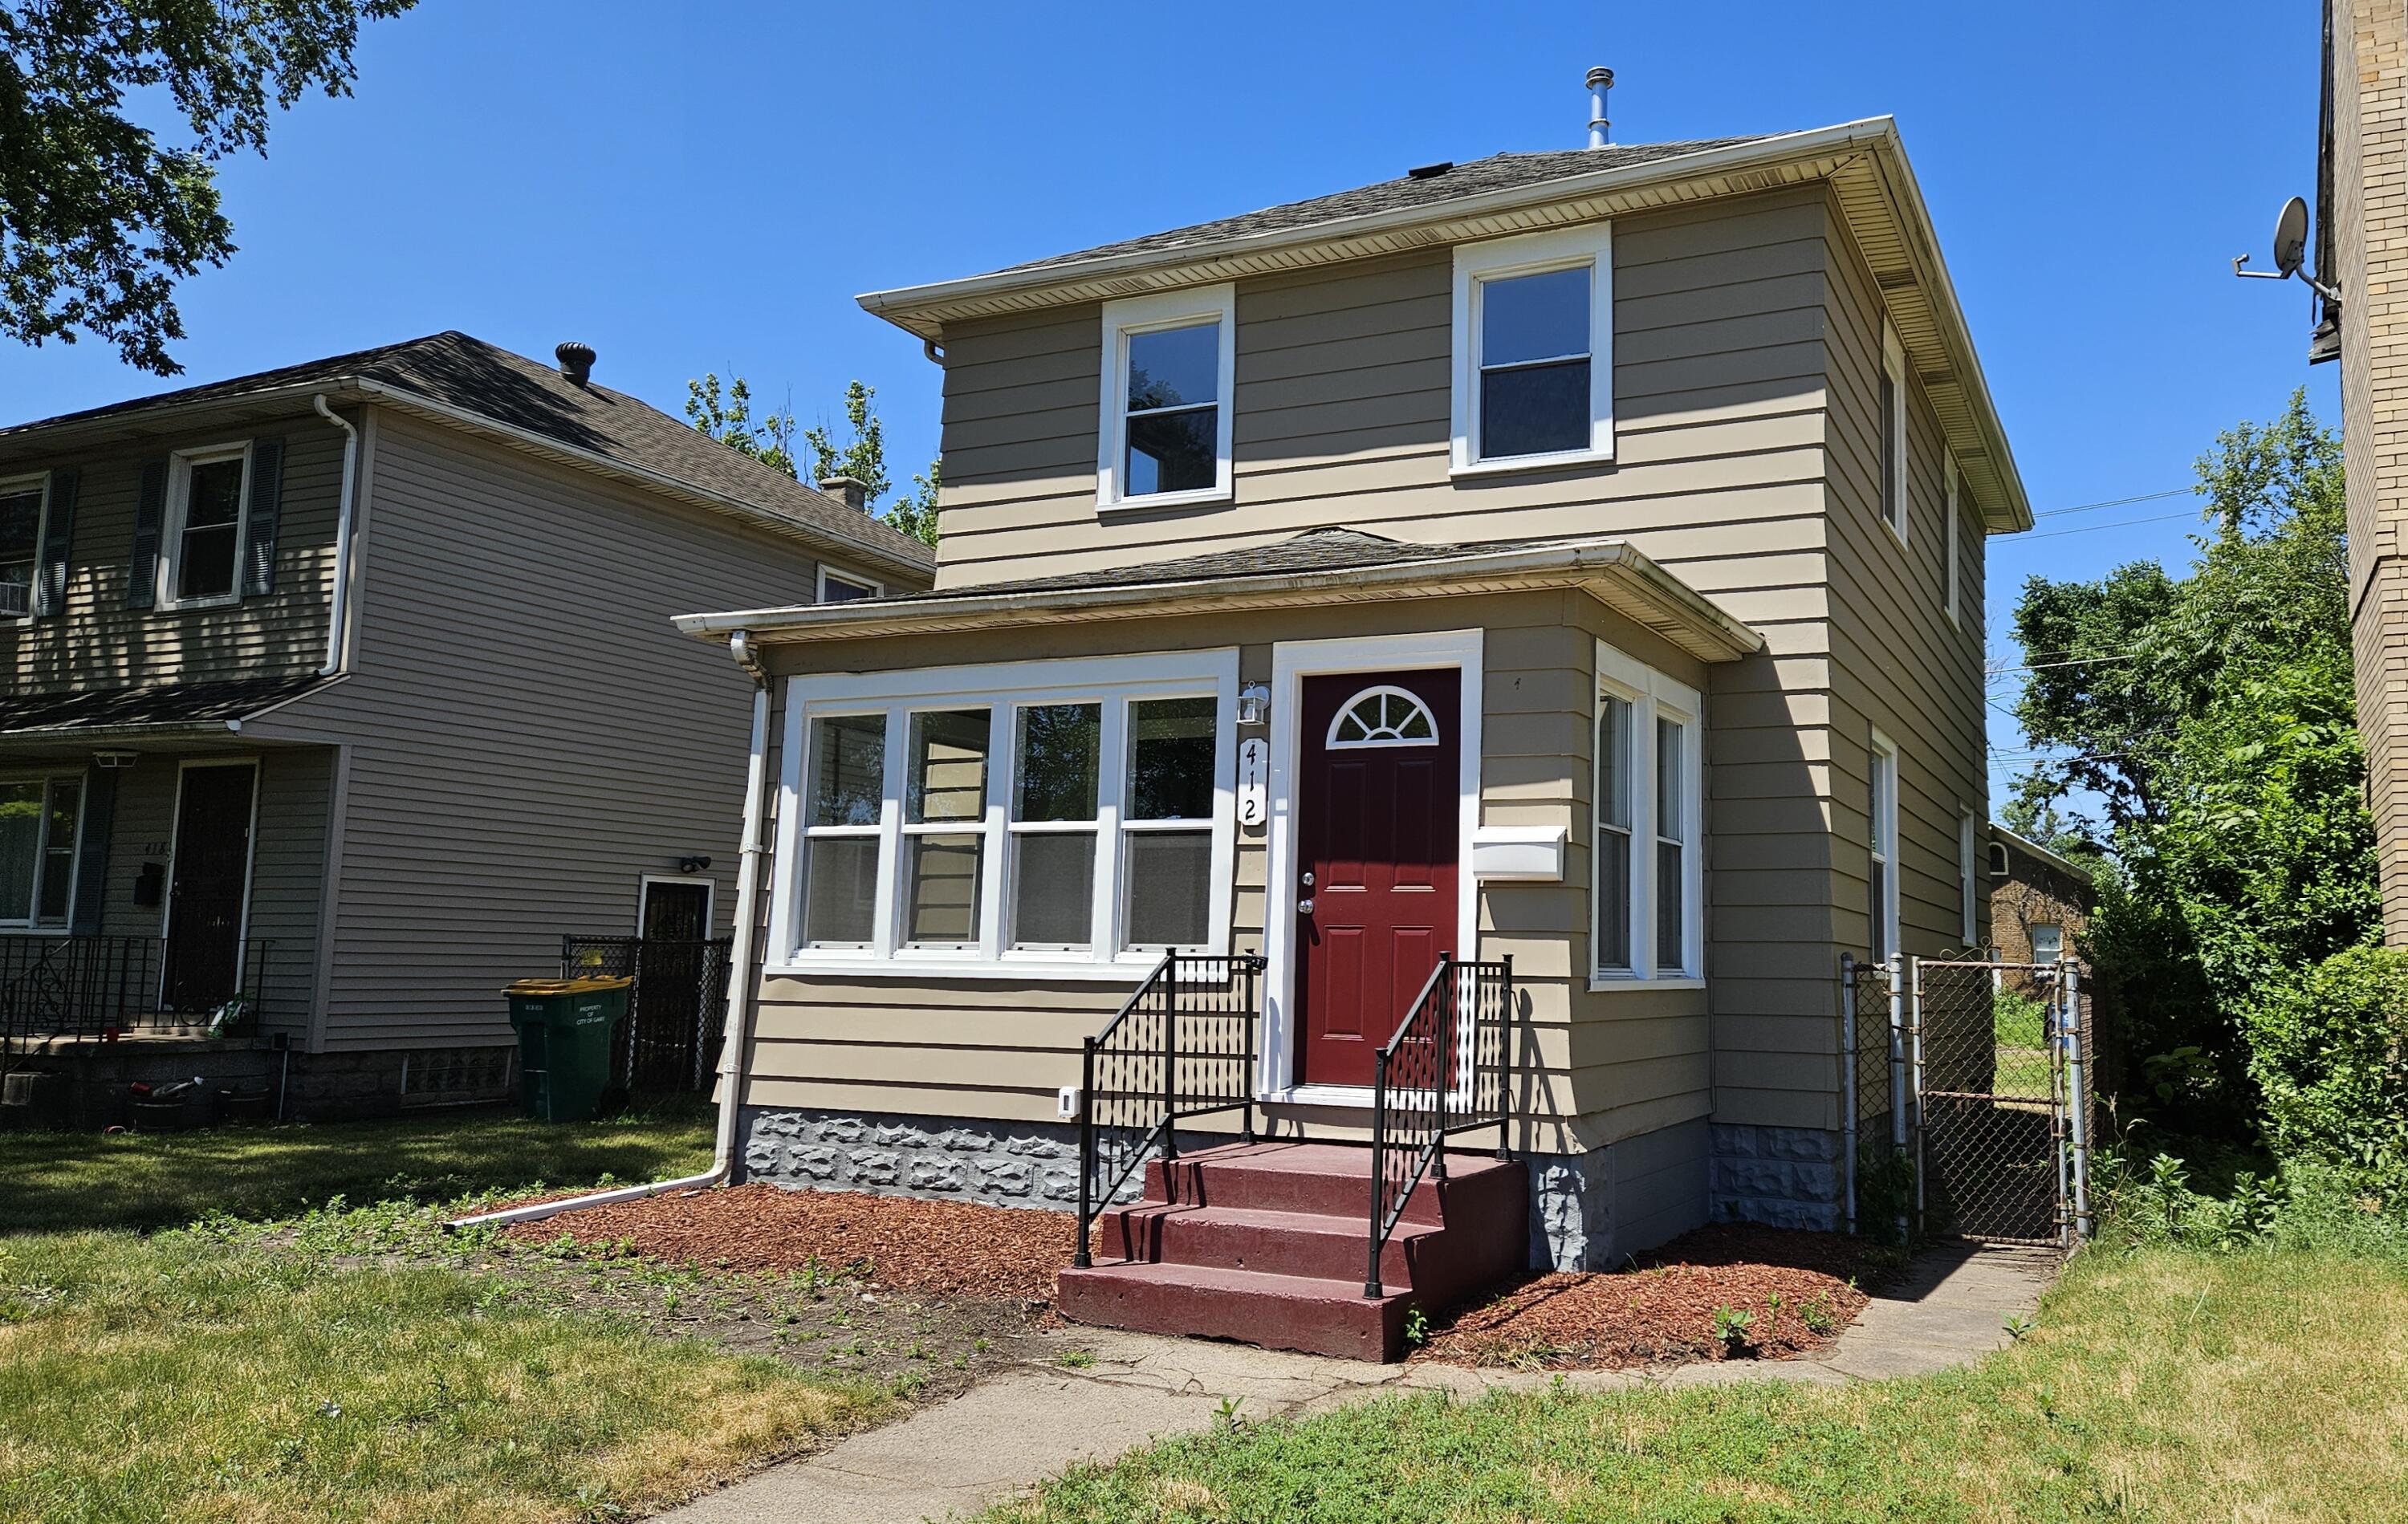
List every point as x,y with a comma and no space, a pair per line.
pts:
946,1247
1664,1311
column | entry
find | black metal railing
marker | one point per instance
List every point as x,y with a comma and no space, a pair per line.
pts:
73,989
675,1013
1181,1047
1446,1071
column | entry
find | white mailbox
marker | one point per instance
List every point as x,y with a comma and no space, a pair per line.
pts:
1530,854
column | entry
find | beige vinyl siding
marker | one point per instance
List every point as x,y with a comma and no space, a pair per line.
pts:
528,735
100,643
1608,1065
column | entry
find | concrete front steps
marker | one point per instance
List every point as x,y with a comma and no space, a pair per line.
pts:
1267,1243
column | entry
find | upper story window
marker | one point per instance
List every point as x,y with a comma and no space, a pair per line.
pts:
1953,547
837,588
1054,820
1893,433
21,502
1533,350
1648,884
39,819
1881,838
1171,365
201,546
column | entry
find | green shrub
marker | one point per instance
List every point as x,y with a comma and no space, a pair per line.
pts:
2328,1052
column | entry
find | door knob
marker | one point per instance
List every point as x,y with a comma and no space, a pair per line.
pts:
1307,880
1304,906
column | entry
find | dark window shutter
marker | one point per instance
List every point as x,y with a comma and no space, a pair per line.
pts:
58,534
92,850
260,514
142,567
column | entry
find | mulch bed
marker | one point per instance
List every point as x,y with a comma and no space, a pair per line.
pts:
1663,1310
953,1248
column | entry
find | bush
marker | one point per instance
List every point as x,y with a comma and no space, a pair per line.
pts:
2150,1200
2329,1053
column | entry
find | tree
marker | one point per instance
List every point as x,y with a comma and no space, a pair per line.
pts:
98,218
863,457
770,441
916,515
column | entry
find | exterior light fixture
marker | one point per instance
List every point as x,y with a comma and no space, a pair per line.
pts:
113,760
692,864
1255,703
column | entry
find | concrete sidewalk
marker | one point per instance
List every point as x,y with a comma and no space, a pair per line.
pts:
1008,1434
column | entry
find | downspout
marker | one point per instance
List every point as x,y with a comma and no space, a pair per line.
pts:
742,989
339,615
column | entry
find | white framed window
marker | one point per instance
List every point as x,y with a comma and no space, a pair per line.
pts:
1534,350
24,515
1171,365
39,822
1881,840
1893,433
200,543
1072,818
1381,716
1647,875
1952,548
843,587
1968,906
2047,942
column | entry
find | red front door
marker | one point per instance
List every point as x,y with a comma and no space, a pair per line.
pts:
1378,836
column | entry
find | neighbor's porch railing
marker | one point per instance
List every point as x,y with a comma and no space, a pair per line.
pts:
1445,1071
1181,1047
80,988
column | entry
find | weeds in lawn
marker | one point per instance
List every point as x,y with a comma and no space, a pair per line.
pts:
1417,1328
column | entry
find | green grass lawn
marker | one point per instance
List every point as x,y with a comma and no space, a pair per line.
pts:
2160,1384
300,1370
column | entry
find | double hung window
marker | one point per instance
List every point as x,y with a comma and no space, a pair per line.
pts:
1881,842
21,502
38,823
1081,818
1648,883
201,557
1533,347
1172,362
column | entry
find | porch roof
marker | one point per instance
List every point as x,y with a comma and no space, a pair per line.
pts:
98,714
1322,566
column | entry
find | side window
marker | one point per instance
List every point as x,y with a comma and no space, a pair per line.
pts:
1882,843
1954,547
1170,363
1533,342
837,588
20,544
1647,885
1893,433
2047,942
200,550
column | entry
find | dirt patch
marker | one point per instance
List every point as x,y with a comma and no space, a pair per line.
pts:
1798,1289
954,1248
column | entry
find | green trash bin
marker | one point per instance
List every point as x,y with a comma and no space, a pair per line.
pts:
567,1029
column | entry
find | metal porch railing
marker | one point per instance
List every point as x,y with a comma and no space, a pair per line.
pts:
1445,1071
80,988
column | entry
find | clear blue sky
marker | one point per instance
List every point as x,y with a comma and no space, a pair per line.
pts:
693,188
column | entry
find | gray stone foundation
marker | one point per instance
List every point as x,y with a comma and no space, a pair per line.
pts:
937,1157
1591,1211
1782,1177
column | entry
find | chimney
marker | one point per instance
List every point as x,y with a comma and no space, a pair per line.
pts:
576,361
1600,129
854,492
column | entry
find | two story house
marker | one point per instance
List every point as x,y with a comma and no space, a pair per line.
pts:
1476,648
347,688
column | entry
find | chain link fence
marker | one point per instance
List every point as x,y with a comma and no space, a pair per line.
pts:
674,1030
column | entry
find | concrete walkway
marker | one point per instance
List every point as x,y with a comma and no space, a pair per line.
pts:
1002,1437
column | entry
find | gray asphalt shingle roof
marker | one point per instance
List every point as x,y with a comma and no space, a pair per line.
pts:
177,704
1498,172
464,372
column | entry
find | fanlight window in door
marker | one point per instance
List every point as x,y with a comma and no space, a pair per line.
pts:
1383,717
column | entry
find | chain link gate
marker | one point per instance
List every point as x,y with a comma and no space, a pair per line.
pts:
1969,1100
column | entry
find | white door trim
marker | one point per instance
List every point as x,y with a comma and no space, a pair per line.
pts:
1292,662
250,867
710,897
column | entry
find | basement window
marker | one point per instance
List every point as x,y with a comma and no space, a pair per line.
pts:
1533,350
1171,365
1069,819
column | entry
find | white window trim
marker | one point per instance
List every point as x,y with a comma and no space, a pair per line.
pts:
1145,314
50,777
877,589
710,899
1001,689
9,487
2032,939
1968,897
250,867
1954,546
171,524
1535,253
1652,694
1895,475
1881,835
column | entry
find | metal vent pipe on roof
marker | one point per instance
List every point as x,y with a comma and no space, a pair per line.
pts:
1599,82
576,361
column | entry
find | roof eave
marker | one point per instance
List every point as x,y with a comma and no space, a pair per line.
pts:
1611,570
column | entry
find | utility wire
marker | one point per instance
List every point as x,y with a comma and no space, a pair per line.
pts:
2116,502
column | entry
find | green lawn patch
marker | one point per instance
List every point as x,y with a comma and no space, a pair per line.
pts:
2163,1383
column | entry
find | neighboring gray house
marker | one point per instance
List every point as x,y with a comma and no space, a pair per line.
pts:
350,687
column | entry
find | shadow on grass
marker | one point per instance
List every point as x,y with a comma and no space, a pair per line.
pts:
68,1182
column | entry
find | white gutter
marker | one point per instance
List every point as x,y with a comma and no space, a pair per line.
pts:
337,616
741,990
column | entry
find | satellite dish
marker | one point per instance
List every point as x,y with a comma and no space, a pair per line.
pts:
2291,236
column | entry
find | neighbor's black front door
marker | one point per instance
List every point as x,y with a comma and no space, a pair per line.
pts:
210,886
670,981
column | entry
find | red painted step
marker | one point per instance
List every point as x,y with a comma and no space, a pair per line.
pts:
1267,1243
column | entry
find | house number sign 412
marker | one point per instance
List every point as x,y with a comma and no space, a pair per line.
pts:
1253,780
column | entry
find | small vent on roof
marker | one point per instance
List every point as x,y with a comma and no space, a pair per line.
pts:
576,361
1898,280
1429,172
